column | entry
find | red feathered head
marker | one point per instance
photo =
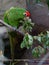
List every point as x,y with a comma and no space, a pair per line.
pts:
27,14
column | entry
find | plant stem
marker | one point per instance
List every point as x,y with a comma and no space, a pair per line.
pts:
12,47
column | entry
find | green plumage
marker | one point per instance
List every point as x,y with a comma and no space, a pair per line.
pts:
13,16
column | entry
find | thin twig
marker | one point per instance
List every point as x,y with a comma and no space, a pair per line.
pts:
12,28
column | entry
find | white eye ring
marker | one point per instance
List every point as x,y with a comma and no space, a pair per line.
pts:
24,13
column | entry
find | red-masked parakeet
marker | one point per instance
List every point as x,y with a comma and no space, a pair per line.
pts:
14,15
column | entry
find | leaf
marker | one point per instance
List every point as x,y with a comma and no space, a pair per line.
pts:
39,38
38,51
46,44
35,52
48,34
22,45
27,41
27,25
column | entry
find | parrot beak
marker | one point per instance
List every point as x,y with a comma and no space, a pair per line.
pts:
27,14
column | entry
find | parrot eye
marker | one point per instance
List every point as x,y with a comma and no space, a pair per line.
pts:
24,14
27,14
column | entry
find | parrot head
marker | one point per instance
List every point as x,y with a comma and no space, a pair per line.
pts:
27,14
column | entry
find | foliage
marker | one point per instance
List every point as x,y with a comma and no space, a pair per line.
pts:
15,17
28,25
37,51
27,41
43,38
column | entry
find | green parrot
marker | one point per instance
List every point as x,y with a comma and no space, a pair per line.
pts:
14,15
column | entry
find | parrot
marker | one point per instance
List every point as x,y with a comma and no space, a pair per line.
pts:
14,15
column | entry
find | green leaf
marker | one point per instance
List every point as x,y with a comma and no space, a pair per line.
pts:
28,25
39,38
27,41
46,44
48,34
38,51
35,52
